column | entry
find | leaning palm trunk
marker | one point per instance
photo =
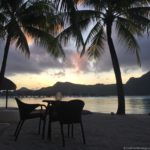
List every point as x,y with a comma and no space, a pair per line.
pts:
6,50
120,88
131,19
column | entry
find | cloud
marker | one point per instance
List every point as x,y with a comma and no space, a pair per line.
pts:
126,57
40,60
59,74
80,64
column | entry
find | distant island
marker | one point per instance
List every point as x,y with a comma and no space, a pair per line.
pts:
134,86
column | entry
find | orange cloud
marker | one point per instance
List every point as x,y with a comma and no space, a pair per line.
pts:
80,63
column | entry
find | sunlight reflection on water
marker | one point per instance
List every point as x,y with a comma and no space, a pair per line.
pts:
134,104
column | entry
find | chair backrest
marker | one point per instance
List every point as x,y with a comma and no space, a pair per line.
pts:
53,114
24,109
70,112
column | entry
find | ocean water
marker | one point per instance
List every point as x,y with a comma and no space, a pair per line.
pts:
106,104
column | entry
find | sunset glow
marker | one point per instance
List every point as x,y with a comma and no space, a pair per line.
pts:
43,70
50,77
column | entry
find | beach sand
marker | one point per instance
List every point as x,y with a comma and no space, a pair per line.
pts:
102,131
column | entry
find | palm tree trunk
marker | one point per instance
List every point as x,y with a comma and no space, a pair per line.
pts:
6,50
115,62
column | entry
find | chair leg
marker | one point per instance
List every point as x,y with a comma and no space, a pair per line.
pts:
49,129
19,129
68,130
39,130
62,134
71,130
72,133
82,130
43,132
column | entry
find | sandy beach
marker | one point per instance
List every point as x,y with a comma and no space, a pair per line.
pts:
103,132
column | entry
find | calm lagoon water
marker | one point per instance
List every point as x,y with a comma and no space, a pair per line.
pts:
134,104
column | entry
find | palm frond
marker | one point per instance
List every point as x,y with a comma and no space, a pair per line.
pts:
96,4
140,2
81,15
66,35
2,32
13,5
3,18
66,5
3,21
42,17
127,36
35,14
96,48
142,11
72,33
72,19
20,39
96,31
131,25
139,16
46,40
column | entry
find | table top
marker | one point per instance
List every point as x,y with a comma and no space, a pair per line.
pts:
48,100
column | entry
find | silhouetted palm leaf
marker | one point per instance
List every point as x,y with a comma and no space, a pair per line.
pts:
131,18
34,18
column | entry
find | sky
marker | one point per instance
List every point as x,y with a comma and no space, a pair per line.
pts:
43,70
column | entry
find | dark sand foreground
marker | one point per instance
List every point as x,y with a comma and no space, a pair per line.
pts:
103,132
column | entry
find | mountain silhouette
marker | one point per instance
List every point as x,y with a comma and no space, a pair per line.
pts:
138,86
134,86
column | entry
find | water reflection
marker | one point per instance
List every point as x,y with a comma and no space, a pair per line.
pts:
134,104
138,105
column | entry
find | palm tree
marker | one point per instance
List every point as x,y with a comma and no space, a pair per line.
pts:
130,19
20,19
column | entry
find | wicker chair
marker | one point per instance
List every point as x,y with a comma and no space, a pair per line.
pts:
70,113
28,111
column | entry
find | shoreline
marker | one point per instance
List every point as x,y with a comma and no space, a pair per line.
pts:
137,105
11,114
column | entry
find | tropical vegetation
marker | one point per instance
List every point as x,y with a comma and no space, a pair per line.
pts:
127,18
100,18
21,19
